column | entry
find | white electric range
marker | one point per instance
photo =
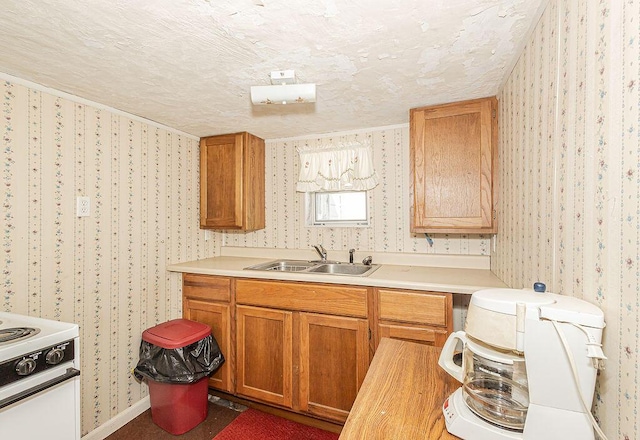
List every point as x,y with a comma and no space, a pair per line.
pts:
39,378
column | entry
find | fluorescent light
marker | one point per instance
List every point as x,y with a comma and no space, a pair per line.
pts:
283,94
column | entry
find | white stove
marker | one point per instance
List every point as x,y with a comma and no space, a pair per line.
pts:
39,378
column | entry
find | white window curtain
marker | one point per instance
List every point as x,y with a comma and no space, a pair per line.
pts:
336,167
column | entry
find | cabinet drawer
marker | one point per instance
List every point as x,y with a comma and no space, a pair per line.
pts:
206,287
420,335
420,308
308,297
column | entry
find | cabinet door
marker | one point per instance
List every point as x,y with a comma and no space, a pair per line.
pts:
452,161
264,354
217,316
221,181
334,357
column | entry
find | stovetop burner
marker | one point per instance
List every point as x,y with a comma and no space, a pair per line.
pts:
16,333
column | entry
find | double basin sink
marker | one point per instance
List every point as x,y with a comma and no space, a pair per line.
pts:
317,267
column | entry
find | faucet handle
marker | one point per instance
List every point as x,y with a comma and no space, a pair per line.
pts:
367,261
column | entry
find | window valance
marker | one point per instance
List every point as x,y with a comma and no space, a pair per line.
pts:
336,167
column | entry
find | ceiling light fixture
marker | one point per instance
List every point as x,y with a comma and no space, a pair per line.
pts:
283,90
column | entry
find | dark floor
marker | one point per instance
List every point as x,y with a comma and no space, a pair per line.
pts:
143,428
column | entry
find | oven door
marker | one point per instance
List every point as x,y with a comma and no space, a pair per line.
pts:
43,406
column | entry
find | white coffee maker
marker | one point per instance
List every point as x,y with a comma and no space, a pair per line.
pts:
528,367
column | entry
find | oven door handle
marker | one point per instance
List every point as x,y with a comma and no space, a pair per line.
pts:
70,374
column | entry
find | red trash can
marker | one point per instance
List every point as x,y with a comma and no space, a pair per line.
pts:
176,407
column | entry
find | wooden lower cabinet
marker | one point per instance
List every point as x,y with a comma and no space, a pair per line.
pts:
207,299
334,357
217,315
414,316
265,354
331,362
306,347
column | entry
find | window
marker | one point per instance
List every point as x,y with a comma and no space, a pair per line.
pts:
340,208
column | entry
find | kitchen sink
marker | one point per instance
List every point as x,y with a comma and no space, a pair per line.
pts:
284,265
344,269
317,267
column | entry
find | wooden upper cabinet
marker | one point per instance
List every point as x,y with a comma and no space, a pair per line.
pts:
453,157
232,182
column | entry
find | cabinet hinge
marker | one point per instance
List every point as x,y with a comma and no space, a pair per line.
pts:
369,334
493,113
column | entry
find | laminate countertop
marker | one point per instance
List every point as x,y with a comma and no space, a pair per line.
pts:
401,396
435,279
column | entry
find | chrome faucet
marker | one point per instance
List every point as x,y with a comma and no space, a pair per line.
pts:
367,261
351,251
321,251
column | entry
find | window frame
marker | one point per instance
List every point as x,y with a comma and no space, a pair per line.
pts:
312,221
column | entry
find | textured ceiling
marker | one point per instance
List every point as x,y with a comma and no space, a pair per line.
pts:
189,64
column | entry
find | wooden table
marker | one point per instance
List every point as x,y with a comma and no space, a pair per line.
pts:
401,396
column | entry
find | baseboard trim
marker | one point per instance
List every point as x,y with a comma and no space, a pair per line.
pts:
117,422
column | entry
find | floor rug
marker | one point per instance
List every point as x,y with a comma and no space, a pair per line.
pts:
254,424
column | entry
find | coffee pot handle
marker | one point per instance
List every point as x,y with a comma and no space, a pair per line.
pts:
447,353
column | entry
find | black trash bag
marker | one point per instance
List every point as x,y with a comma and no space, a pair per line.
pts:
179,365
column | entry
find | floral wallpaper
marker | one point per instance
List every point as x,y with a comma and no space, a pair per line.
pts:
569,170
105,272
389,203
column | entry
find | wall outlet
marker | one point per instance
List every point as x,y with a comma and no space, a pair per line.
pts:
83,206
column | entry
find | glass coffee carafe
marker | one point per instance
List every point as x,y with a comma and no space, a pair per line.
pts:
494,384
